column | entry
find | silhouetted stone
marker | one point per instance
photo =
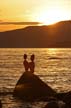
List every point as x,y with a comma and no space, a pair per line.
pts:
55,104
65,97
52,104
30,88
0,104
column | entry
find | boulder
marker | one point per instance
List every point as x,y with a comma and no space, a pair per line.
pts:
0,104
64,96
52,104
31,88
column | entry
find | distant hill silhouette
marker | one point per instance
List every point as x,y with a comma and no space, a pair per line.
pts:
57,35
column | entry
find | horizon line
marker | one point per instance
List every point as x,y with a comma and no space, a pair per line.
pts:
25,23
20,23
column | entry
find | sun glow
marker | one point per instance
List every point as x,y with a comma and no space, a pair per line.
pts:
52,16
52,51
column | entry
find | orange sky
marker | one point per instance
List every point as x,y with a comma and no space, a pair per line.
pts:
32,10
45,11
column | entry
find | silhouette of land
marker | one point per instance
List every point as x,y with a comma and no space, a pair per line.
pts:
57,35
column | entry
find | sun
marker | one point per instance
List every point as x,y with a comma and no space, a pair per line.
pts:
52,16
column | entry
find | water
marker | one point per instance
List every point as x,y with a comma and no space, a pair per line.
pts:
53,66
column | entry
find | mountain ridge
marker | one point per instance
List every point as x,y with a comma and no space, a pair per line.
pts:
51,36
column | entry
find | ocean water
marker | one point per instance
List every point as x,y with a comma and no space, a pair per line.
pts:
52,65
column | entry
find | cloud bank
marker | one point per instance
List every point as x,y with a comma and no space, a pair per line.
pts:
19,23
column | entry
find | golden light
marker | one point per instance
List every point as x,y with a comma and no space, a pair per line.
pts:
52,51
51,16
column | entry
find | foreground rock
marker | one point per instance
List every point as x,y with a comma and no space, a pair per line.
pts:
52,104
57,104
0,104
31,88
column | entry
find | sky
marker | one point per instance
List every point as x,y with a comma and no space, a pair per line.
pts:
46,11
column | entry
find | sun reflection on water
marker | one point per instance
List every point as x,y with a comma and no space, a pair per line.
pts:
52,51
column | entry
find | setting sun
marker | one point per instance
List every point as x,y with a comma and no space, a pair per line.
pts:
51,16
45,12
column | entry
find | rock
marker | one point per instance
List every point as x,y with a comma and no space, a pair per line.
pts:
52,104
31,88
0,104
68,106
67,98
55,104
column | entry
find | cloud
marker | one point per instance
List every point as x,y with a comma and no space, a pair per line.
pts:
1,21
19,23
